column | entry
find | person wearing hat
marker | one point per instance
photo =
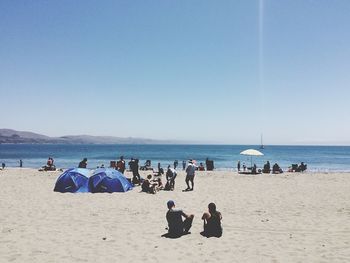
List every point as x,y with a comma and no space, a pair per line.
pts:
176,226
190,172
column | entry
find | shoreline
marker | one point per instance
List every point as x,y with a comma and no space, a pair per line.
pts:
225,157
218,170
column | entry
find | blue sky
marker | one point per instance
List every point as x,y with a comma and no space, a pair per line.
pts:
185,70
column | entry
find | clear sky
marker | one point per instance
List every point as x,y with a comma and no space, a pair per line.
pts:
209,71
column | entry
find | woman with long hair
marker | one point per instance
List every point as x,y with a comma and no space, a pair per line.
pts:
212,222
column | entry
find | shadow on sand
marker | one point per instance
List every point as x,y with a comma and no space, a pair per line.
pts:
168,235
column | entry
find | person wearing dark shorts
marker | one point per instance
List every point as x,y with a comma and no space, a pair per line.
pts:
170,177
176,226
190,172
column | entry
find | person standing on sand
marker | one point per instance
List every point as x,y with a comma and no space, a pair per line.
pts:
190,172
176,162
121,165
183,165
170,177
20,163
239,166
134,167
177,227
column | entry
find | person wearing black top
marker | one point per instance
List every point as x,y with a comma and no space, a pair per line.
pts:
176,225
212,222
134,167
83,163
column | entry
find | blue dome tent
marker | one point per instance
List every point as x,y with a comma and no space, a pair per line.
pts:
106,180
74,180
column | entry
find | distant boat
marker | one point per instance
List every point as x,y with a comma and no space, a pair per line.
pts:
261,142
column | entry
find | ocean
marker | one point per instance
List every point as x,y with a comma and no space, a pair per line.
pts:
225,157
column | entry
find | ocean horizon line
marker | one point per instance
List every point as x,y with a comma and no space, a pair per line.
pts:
184,144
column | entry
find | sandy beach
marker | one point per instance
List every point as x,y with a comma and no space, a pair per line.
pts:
266,218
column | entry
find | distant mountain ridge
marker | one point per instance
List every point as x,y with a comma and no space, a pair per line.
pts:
13,136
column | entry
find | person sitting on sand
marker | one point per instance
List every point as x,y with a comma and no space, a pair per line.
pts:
159,185
254,169
83,163
148,186
302,167
176,226
212,222
49,162
244,167
49,165
276,169
267,168
156,182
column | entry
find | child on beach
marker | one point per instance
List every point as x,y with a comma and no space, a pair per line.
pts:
151,186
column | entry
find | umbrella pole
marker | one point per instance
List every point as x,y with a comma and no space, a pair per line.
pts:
251,161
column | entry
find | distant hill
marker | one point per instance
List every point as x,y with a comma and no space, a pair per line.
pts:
13,136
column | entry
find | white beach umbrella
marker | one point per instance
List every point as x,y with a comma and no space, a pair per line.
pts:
251,153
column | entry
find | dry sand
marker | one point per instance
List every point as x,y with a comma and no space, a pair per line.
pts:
266,218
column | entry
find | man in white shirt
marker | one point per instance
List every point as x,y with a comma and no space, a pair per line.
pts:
190,172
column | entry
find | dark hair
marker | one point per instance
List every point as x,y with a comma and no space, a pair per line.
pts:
170,204
212,208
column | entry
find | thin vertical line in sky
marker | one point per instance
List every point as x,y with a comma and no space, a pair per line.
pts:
261,62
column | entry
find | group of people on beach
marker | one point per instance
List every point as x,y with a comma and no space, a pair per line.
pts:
152,185
179,223
276,169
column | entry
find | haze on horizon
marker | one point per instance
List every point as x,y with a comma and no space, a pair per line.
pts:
205,71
